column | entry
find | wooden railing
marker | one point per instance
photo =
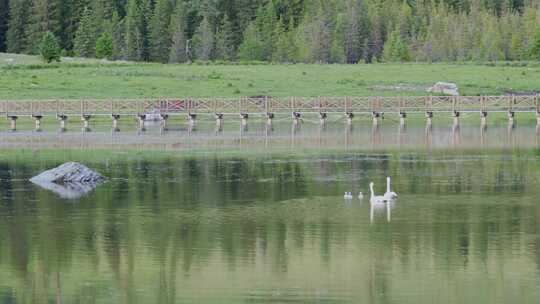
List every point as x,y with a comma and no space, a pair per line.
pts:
272,105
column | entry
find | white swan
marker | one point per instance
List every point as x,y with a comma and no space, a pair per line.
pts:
389,195
360,196
347,195
374,198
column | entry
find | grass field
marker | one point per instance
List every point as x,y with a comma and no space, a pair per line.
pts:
25,77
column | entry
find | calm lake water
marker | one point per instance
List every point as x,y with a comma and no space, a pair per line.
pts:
268,227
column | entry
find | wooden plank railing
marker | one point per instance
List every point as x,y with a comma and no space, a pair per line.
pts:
261,105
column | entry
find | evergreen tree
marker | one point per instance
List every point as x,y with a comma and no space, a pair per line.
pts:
70,12
491,41
405,21
203,40
319,34
160,37
44,17
374,48
266,23
118,35
225,40
49,48
136,22
179,49
103,11
534,51
355,30
285,49
251,47
85,37
4,17
16,37
278,30
104,46
246,12
395,48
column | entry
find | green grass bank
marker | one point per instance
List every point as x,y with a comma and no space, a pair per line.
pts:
24,77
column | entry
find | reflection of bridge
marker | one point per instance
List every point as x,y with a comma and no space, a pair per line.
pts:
270,106
264,138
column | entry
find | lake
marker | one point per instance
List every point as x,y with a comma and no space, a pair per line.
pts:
252,216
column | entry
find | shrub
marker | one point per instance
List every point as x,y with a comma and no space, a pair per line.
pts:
104,46
49,48
535,47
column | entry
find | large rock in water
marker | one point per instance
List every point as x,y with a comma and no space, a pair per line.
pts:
70,180
446,88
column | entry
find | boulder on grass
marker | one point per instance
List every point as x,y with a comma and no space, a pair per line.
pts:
70,180
446,88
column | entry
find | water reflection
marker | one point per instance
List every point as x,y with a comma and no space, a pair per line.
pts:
286,136
377,208
275,229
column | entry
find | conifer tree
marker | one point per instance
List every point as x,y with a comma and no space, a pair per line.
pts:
118,35
225,40
266,23
104,46
49,48
375,45
86,36
319,33
395,48
355,31
203,40
285,47
103,11
179,48
44,17
320,30
160,37
136,22
4,17
16,36
534,51
70,12
251,47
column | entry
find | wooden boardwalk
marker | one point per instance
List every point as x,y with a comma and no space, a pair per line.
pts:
266,105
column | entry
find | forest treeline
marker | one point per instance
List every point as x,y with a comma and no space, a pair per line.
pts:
311,31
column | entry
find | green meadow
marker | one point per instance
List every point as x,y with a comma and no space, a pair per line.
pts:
25,77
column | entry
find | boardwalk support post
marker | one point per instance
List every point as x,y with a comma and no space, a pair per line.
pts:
13,122
86,121
192,119
296,117
219,119
141,119
375,117
245,118
164,119
483,118
323,116
429,118
455,117
37,119
350,116
270,118
63,120
402,117
115,118
511,118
